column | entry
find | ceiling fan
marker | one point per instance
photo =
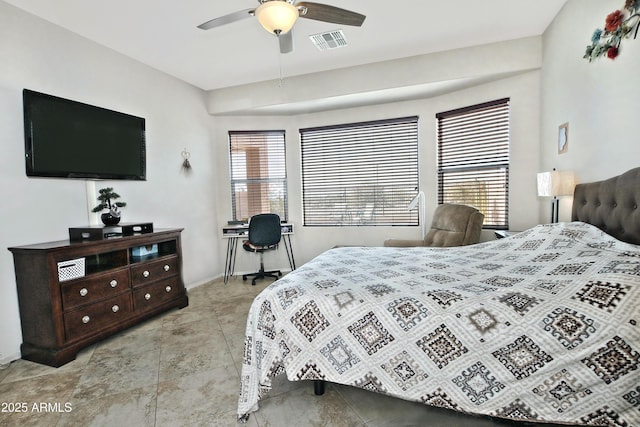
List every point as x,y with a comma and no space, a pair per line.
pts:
279,16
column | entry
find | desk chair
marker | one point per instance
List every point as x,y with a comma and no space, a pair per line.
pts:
264,235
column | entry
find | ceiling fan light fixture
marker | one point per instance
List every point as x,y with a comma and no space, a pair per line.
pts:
277,16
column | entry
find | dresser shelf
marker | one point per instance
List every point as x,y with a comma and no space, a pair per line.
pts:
114,291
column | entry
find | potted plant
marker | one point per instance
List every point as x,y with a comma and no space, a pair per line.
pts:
107,199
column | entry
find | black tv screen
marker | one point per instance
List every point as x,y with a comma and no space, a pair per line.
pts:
69,139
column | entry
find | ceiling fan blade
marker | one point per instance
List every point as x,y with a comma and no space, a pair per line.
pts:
286,42
227,19
326,13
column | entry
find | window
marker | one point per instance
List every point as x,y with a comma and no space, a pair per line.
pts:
473,159
360,173
258,173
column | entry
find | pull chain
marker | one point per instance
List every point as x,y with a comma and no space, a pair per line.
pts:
280,78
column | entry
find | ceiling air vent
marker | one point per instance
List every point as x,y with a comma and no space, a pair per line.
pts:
331,40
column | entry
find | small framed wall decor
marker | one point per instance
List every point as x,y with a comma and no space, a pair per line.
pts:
563,138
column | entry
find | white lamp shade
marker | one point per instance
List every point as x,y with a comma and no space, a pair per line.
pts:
277,16
556,183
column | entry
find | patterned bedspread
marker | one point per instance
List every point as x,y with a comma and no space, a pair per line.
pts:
544,325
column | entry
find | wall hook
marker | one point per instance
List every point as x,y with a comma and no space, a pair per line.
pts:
186,165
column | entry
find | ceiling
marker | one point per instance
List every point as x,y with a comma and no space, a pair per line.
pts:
163,33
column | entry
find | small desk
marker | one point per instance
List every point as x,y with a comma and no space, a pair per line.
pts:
234,232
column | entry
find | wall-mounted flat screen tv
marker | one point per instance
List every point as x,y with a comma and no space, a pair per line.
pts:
69,139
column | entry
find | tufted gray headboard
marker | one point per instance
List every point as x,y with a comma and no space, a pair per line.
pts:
611,205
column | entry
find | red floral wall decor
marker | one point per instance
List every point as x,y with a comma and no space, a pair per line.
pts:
618,25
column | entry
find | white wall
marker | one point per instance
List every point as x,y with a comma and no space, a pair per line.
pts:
414,77
599,100
308,242
43,57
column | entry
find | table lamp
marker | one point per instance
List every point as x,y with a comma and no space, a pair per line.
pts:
554,184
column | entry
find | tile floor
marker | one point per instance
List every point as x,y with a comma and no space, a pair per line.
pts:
182,369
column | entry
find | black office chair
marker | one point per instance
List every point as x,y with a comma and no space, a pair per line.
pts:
264,235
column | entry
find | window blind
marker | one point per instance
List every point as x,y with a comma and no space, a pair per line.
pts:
360,173
258,173
473,159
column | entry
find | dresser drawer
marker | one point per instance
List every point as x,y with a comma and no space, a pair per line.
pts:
151,271
95,288
91,318
149,296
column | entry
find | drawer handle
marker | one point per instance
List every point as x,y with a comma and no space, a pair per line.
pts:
146,273
147,296
167,267
168,289
113,283
83,292
115,308
85,319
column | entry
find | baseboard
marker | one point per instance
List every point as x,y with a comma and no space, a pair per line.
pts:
5,361
220,277
203,282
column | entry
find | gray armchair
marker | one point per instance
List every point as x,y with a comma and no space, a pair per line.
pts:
453,225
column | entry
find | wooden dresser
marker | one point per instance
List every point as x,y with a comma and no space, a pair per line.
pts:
73,294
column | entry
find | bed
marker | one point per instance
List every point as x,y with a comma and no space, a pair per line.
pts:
543,326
